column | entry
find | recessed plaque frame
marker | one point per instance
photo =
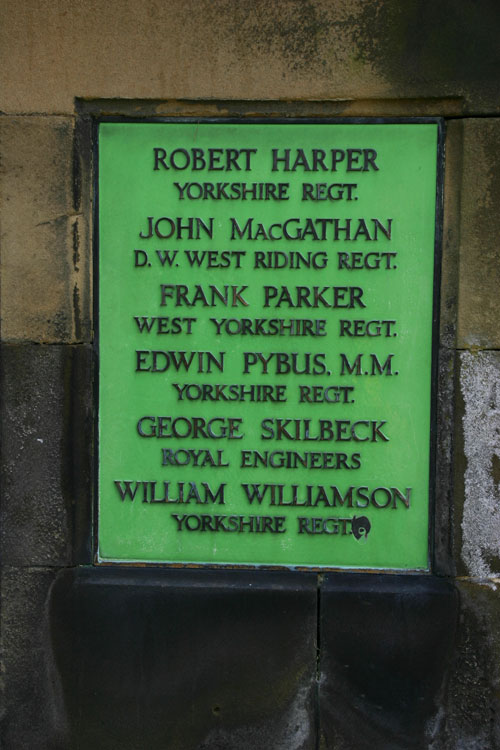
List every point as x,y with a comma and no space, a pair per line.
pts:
266,322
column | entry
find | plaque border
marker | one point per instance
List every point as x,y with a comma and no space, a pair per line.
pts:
247,119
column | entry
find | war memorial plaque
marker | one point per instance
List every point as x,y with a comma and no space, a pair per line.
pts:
265,298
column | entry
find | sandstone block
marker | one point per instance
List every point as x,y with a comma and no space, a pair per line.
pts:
45,257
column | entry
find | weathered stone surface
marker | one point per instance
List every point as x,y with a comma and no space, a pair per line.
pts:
480,476
447,358
191,659
45,434
186,659
385,643
291,49
444,499
452,180
479,297
469,715
45,258
32,709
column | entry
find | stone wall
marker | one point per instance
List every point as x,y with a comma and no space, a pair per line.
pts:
109,659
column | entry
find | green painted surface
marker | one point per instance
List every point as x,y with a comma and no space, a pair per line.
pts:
357,461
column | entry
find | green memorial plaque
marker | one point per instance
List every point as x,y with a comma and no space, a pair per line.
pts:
265,327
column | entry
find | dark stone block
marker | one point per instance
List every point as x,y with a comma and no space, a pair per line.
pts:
445,494
32,711
45,432
186,659
385,643
470,708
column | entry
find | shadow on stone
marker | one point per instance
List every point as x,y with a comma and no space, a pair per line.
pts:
385,645
186,659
